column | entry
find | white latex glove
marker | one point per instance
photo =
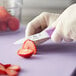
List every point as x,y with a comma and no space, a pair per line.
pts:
65,24
41,22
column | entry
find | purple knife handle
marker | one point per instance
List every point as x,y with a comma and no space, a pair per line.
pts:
50,31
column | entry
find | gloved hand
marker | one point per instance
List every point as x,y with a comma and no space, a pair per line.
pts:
41,22
65,24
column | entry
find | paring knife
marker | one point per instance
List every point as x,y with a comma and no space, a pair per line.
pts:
39,37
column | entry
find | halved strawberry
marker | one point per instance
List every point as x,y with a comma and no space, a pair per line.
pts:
2,69
29,44
25,53
14,67
11,72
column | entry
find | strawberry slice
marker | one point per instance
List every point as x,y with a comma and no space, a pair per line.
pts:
7,65
11,72
25,53
14,67
29,44
2,69
8,69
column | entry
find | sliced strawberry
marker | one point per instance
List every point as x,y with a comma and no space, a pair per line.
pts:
25,53
29,44
13,24
2,69
14,67
7,65
11,72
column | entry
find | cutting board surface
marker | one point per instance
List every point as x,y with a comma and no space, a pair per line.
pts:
51,59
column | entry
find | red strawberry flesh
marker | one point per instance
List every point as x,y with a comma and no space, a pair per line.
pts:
14,67
29,44
7,65
11,72
25,53
2,69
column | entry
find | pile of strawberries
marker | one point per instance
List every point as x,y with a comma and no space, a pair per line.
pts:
7,21
9,70
28,49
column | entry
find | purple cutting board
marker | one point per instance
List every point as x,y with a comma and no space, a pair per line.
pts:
51,59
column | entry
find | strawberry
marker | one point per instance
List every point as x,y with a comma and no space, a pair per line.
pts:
4,15
3,26
2,69
25,53
8,69
13,23
11,72
14,67
7,65
29,44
